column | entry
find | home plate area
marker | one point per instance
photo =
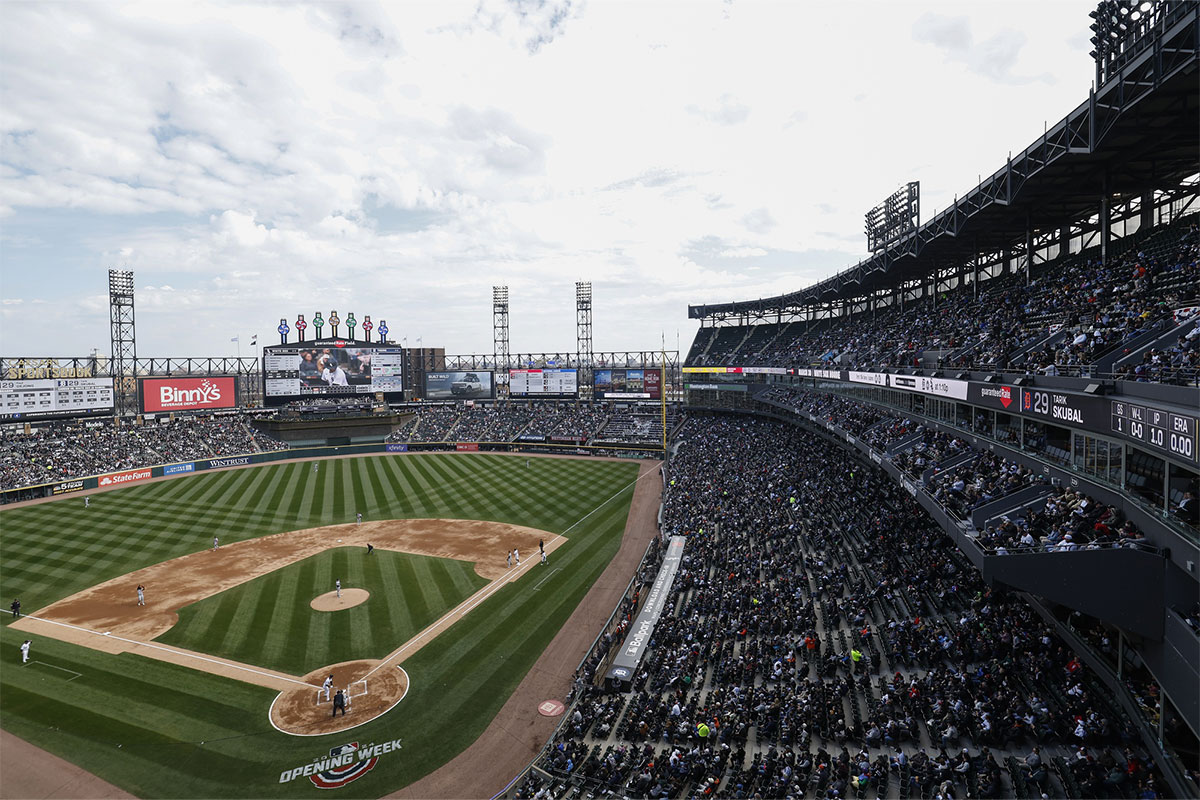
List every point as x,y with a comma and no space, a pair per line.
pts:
353,690
371,689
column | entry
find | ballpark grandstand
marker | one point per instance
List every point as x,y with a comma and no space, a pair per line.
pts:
927,528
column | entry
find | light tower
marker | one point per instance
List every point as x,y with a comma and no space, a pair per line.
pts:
500,331
123,364
583,333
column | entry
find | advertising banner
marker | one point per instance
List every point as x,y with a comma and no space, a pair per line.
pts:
61,397
128,476
942,387
187,394
474,385
393,447
66,487
236,461
467,447
626,661
176,469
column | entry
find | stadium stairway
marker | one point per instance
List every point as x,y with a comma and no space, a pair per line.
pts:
1133,577
1136,350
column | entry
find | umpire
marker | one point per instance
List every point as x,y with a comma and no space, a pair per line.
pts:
339,701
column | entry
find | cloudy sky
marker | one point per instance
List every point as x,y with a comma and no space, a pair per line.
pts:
250,162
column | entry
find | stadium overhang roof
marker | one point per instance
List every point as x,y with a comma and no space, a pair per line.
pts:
1137,133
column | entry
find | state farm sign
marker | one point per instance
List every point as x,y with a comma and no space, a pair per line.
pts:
187,394
128,476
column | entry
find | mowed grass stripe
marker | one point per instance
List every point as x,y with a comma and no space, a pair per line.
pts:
268,625
554,495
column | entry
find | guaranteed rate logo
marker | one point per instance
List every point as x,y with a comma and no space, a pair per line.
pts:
1003,394
344,764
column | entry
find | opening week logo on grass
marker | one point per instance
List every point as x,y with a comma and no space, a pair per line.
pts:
186,394
345,763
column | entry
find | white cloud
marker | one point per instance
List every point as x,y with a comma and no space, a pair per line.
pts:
400,159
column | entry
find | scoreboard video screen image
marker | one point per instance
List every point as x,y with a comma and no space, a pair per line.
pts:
628,384
332,368
55,397
543,382
464,385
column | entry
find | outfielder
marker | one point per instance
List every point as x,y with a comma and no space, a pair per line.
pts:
87,502
25,650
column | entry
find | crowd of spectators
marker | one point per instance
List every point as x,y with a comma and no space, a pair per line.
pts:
566,420
638,425
962,487
823,639
499,422
60,451
1006,323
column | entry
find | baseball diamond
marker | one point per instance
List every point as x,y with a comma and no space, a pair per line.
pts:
228,651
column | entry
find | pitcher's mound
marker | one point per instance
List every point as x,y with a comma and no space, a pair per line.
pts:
331,602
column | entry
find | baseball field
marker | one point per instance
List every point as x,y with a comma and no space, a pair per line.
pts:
211,688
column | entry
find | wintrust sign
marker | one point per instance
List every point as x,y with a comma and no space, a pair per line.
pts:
187,394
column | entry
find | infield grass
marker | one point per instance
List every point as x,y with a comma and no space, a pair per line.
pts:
184,733
269,621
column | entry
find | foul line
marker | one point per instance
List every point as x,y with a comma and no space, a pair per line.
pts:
483,594
172,650
52,666
537,585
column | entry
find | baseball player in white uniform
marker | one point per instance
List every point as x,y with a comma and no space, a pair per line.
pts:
327,686
216,542
517,556
87,502
338,585
359,520
25,650
141,595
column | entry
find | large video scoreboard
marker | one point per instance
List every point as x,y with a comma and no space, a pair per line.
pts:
331,367
55,397
628,384
543,382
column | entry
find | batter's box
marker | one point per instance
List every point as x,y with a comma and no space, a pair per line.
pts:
355,689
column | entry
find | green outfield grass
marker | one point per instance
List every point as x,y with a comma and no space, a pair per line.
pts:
157,729
269,621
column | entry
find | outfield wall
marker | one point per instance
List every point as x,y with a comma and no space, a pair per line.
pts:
138,474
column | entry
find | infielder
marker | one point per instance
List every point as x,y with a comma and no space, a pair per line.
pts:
216,542
517,556
509,560
327,685
359,521
338,585
141,595
25,650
